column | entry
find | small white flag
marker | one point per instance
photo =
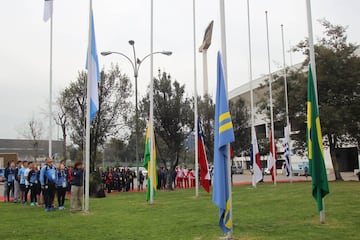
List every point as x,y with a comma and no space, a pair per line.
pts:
48,10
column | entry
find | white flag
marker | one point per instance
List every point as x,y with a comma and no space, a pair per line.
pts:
48,10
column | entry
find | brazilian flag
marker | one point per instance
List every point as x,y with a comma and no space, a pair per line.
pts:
320,187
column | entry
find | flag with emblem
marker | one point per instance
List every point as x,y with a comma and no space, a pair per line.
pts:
320,187
148,145
203,163
255,159
223,136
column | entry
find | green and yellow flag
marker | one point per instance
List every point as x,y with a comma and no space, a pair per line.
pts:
147,163
317,169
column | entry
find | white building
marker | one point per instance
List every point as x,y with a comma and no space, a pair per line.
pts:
262,124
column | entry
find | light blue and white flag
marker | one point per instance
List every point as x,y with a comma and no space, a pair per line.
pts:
92,65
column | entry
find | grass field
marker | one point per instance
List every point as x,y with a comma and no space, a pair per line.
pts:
285,211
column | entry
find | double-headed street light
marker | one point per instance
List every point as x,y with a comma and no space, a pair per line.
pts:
136,65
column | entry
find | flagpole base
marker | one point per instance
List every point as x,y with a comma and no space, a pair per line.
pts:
226,237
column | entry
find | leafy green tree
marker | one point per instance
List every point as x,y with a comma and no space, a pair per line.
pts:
241,119
206,111
173,119
338,78
114,93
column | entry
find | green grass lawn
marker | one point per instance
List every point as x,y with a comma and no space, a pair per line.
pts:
285,211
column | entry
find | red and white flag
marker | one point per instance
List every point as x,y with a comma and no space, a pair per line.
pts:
203,163
255,159
272,158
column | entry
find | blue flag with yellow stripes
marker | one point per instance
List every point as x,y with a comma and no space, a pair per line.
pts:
224,134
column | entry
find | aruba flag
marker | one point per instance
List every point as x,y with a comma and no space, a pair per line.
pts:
223,136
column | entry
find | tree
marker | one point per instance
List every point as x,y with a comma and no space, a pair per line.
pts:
61,118
241,119
338,78
173,120
34,132
114,93
206,110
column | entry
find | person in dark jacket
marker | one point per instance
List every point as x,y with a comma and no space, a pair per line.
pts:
10,175
77,187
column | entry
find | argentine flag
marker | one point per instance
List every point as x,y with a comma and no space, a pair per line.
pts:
92,66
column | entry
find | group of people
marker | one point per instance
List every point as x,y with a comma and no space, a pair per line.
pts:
43,183
121,180
185,177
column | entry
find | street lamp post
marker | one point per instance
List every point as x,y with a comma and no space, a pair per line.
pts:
136,65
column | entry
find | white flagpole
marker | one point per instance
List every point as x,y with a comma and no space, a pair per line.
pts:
286,100
87,148
251,88
195,109
205,73
224,59
271,100
50,85
151,104
313,69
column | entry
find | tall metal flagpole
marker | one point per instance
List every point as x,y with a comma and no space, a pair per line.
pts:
195,110
313,69
50,85
87,148
224,58
151,104
286,99
271,100
250,81
205,73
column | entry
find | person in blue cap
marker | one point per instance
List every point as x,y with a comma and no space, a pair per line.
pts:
48,179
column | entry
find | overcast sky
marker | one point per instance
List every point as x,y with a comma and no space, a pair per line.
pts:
24,43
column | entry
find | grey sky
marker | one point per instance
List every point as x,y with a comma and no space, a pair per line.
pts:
24,43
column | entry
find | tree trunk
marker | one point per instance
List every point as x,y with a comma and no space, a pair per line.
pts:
64,142
332,143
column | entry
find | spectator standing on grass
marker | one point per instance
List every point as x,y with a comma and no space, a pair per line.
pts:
10,175
141,179
40,192
109,180
16,182
173,179
77,188
33,184
61,185
306,172
48,179
21,178
27,183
